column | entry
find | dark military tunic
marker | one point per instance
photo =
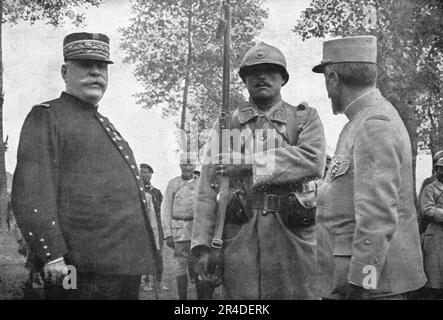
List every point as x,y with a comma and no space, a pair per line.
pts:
77,191
157,199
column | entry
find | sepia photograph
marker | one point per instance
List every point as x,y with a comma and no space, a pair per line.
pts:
221,150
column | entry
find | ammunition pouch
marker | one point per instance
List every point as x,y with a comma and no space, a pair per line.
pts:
238,210
295,203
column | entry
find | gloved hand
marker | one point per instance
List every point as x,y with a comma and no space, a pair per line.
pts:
232,164
54,272
22,247
208,269
170,242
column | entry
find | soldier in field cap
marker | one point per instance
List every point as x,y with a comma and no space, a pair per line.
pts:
368,242
77,192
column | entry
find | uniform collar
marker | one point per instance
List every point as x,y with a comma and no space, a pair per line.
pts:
77,101
248,111
360,103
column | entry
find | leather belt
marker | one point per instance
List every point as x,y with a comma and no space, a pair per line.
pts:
183,218
268,202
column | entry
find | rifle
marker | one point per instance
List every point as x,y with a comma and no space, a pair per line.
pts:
216,256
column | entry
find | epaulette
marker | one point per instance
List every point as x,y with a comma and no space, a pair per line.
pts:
44,105
302,106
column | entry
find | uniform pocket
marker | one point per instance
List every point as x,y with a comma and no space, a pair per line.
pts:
342,246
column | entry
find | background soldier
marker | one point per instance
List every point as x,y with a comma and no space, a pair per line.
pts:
268,242
367,233
77,193
156,197
422,218
432,208
177,216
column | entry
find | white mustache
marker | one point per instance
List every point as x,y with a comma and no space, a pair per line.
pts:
95,81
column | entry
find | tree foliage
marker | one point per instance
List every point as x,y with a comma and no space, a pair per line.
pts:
53,12
410,58
178,59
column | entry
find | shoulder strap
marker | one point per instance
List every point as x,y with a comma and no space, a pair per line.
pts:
439,196
44,105
295,120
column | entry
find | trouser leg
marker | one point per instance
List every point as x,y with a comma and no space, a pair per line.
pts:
182,287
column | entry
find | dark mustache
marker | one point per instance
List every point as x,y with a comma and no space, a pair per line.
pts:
263,84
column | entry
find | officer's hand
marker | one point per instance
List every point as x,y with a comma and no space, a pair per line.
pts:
54,272
232,164
22,247
170,242
205,268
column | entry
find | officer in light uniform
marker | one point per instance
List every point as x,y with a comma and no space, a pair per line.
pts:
367,233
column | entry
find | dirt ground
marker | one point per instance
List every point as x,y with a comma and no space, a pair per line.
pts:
12,267
13,273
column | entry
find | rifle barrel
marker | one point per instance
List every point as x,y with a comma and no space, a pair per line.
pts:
226,57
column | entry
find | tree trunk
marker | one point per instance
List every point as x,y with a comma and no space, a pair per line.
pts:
188,69
407,115
3,186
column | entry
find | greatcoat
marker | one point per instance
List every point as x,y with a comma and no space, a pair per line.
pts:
263,258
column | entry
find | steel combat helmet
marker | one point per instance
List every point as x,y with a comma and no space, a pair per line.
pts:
263,53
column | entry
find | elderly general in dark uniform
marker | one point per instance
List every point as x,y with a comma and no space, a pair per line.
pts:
367,233
77,192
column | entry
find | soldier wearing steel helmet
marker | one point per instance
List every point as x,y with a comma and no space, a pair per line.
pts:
268,239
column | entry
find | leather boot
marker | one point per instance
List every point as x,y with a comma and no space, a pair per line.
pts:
182,286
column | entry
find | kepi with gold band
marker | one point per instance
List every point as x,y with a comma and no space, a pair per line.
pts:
86,46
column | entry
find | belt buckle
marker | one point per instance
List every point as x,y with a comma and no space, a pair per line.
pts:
217,243
271,203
